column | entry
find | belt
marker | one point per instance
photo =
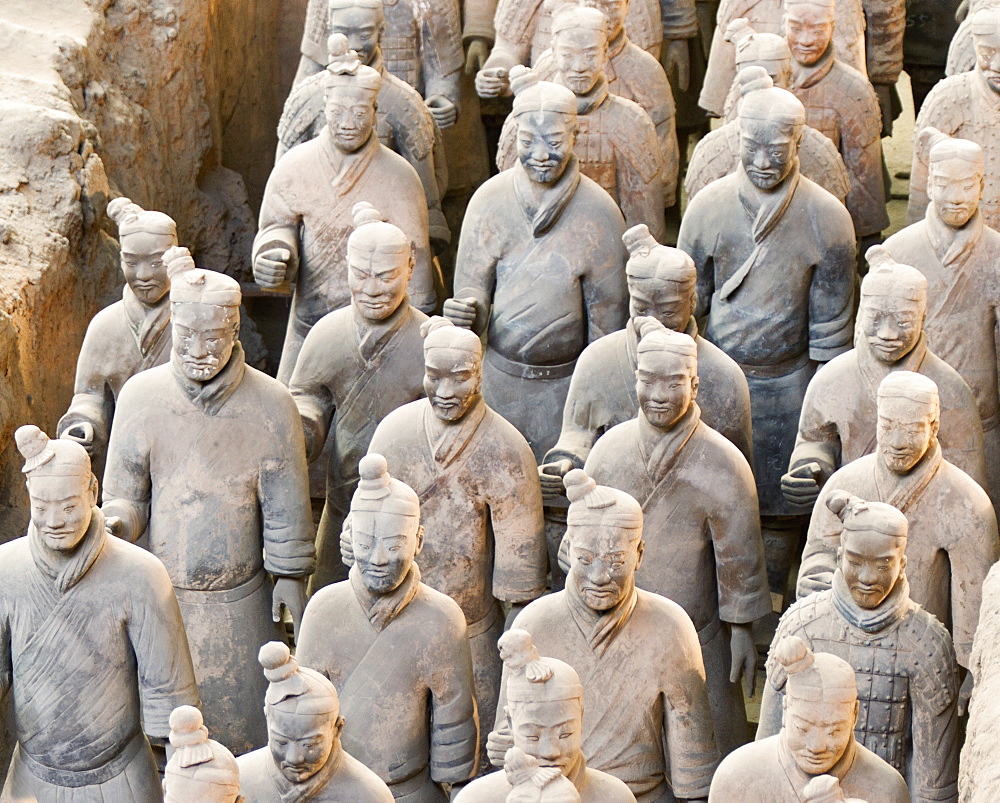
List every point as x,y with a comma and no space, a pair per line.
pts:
223,596
778,369
483,625
524,371
411,784
78,778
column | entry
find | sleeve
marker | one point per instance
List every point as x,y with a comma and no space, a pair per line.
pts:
163,660
315,31
640,178
581,419
410,214
605,292
831,293
818,438
771,703
690,240
283,493
127,484
454,755
679,19
93,402
819,558
278,225
414,137
861,148
885,25
721,70
961,432
476,260
6,659
479,20
310,386
975,549
314,633
514,23
441,54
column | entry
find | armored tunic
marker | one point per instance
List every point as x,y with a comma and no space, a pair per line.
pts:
343,779
616,146
907,682
941,26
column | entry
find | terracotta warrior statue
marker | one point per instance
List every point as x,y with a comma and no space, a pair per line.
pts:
616,142
402,122
841,103
839,414
956,249
93,648
127,337
304,758
357,365
648,719
544,717
532,783
306,215
818,714
953,530
221,509
518,275
422,45
700,516
200,769
775,255
901,654
962,49
966,105
480,501
395,649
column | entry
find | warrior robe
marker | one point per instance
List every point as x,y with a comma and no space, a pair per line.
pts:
222,506
307,210
717,154
616,146
597,402
403,670
907,681
701,525
952,540
840,411
520,259
653,728
593,785
88,647
481,509
776,280
121,340
343,779
963,310
350,374
961,106
766,772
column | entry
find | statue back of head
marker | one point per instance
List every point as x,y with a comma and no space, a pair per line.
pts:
200,769
763,102
753,47
887,278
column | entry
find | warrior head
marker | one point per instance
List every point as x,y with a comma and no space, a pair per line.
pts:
662,281
545,114
144,237
767,50
809,29
666,377
893,307
580,46
361,22
986,40
205,318
453,368
200,769
909,415
533,783
351,94
872,545
771,122
62,489
955,177
303,715
385,527
820,706
379,264
604,534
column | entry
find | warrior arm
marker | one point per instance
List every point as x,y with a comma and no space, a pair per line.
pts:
311,389
831,293
93,400
679,18
690,241
973,552
475,264
605,292
721,69
514,23
581,422
313,46
770,711
454,753
6,660
819,558
412,218
479,20
818,440
961,436
886,22
278,226
441,54
861,147
641,193
414,140
127,482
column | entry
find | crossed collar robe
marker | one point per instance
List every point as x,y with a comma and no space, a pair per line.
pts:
88,648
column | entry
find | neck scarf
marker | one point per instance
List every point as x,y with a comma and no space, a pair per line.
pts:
953,247
902,490
585,104
371,336
890,610
311,786
873,370
553,200
382,609
661,448
448,439
805,77
148,324
68,569
600,628
211,396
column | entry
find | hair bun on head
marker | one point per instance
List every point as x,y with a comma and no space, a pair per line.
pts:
434,323
522,78
739,29
364,212
878,255
793,654
647,325
373,469
754,78
844,504
578,484
277,661
336,45
121,208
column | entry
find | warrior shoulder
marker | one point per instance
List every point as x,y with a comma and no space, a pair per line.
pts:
934,677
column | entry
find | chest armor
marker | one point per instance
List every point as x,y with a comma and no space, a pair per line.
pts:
383,128
595,152
819,116
401,43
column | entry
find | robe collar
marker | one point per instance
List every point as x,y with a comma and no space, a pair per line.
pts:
578,772
554,198
148,324
873,370
448,439
371,336
585,104
877,619
902,490
68,570
601,628
991,98
344,170
798,779
384,608
616,46
211,396
661,448
301,792
805,77
378,62
953,247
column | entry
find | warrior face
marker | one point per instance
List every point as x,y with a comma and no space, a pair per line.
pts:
363,28
671,303
203,338
666,385
544,144
871,563
988,58
377,281
142,264
768,150
549,730
350,115
891,325
385,546
580,54
905,431
603,562
452,381
817,733
301,744
809,31
61,508
955,186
